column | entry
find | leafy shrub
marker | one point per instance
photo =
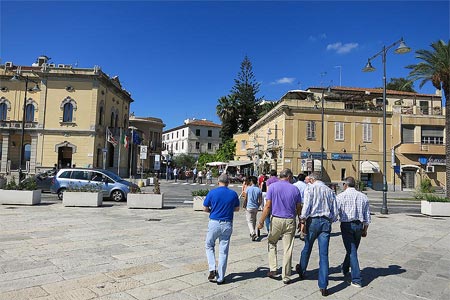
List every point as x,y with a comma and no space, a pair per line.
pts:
88,188
28,185
425,186
200,193
435,198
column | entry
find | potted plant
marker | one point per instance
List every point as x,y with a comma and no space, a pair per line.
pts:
199,197
88,195
433,205
24,193
139,199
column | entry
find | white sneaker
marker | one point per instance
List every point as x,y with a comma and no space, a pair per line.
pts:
357,285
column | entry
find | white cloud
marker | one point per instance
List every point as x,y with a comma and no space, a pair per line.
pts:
284,80
342,48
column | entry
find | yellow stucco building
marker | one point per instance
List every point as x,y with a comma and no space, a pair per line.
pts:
64,120
348,124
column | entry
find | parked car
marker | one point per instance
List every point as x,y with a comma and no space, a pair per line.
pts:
112,185
43,180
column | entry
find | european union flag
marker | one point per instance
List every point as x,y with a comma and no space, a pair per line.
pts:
136,139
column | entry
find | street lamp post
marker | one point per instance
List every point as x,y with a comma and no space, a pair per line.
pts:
36,88
322,128
359,164
269,132
402,48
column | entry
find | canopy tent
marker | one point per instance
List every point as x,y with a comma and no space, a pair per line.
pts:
216,164
369,166
237,163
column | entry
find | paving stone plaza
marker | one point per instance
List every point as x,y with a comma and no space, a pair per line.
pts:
53,252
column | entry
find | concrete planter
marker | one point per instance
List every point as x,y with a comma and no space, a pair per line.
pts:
89,199
198,202
441,209
2,183
145,200
15,197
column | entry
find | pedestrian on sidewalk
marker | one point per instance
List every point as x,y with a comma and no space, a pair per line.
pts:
318,213
252,201
200,176
284,200
354,214
221,203
175,173
301,185
209,176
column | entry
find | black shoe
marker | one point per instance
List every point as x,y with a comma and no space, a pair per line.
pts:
272,274
299,272
324,292
212,276
254,237
220,282
258,233
287,281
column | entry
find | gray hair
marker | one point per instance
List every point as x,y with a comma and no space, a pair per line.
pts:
224,178
350,181
286,173
315,176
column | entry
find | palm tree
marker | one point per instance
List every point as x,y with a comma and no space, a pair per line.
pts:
435,67
227,111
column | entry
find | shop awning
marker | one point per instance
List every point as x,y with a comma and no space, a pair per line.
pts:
369,166
409,167
236,163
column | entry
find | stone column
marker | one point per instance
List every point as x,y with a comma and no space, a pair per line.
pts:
5,148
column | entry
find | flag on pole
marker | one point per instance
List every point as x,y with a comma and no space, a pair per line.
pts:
136,138
110,138
125,140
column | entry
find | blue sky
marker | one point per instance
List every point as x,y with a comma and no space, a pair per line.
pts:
178,58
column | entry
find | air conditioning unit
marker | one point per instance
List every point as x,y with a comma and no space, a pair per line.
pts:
52,65
429,169
9,64
61,65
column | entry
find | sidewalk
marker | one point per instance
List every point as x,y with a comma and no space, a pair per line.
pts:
55,252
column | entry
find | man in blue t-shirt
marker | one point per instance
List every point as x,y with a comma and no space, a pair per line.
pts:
221,203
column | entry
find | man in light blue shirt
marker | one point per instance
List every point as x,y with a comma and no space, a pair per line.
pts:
319,211
252,202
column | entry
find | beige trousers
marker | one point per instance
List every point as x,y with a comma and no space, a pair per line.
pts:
286,229
250,215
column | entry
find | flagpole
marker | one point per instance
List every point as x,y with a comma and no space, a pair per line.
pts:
106,147
131,149
118,160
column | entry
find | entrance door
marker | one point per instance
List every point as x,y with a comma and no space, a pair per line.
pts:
65,157
408,179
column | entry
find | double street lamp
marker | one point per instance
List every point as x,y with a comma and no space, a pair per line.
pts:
402,48
36,88
328,89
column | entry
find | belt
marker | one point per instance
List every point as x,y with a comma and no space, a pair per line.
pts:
354,221
282,217
221,221
322,217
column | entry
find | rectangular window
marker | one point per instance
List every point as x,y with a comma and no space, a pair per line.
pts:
177,134
209,133
432,135
172,135
182,145
311,130
209,146
182,132
367,133
343,174
339,131
408,134
197,132
197,145
243,145
176,146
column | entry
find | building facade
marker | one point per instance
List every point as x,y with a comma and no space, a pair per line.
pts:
65,118
150,130
342,130
192,138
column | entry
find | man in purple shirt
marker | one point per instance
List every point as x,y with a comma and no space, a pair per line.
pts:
273,178
284,200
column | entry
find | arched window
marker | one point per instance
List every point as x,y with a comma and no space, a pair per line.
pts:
68,112
100,118
111,123
29,113
3,111
116,122
27,152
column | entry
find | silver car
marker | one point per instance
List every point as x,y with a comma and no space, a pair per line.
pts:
109,183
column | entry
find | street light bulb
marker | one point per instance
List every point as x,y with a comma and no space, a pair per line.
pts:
368,67
402,48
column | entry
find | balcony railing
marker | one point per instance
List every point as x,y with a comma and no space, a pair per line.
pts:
17,124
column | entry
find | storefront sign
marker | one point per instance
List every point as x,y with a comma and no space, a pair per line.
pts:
313,155
341,156
436,161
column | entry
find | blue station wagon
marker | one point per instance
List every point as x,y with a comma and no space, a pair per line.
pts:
109,183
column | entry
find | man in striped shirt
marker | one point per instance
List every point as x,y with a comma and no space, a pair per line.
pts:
354,214
319,212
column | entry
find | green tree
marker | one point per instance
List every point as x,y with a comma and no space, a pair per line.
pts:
400,84
226,151
435,68
265,107
239,110
203,159
184,160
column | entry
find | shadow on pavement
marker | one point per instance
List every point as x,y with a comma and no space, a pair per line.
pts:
260,272
370,273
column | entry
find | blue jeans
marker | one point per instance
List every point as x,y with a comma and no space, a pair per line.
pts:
320,229
267,221
218,230
351,236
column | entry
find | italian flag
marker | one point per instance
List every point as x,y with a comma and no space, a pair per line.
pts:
125,140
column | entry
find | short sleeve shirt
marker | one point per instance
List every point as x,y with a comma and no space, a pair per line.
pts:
284,197
253,195
222,201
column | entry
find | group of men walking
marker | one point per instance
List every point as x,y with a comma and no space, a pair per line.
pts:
310,208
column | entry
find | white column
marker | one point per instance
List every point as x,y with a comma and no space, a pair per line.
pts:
5,148
33,154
